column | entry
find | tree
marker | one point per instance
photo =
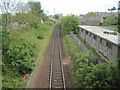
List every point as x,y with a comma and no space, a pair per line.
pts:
70,23
109,9
57,16
36,8
91,14
8,7
112,9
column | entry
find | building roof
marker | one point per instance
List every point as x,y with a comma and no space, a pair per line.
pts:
91,18
100,32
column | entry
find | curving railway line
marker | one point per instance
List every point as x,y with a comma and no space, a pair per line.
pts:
56,77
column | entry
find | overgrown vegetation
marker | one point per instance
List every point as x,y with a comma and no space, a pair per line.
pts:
112,33
111,19
21,52
88,74
70,23
23,36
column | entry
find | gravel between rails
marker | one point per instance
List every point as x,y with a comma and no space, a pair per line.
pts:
41,74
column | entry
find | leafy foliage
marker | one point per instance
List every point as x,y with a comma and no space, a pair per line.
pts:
87,73
70,23
28,19
36,10
5,39
22,52
91,75
19,57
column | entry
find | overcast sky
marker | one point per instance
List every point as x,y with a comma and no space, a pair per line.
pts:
76,6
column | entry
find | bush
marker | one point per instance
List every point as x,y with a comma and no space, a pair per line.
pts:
70,23
87,73
5,39
19,58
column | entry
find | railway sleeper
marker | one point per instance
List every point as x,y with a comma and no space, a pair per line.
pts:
57,75
57,85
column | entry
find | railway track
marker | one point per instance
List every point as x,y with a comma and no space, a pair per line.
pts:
56,77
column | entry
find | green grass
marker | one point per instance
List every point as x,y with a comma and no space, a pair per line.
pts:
73,50
70,45
86,73
30,35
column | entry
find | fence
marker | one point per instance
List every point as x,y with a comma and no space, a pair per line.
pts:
84,49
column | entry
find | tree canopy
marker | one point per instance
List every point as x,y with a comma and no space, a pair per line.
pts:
70,23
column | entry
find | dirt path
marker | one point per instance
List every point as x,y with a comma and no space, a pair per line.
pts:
40,76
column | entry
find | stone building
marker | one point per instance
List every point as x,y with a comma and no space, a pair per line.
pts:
106,45
92,20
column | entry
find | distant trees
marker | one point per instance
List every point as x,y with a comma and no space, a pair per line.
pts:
8,7
35,8
57,16
29,14
111,20
91,14
112,9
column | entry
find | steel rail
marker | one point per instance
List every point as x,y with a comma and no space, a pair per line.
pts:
61,60
60,57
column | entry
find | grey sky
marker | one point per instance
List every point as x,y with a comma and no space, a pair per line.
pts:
75,6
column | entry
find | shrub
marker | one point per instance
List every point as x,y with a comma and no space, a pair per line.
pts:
19,58
91,75
5,39
87,73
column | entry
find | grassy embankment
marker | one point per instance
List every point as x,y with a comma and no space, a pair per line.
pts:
31,36
86,73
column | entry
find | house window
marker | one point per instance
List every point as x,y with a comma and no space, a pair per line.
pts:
108,44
